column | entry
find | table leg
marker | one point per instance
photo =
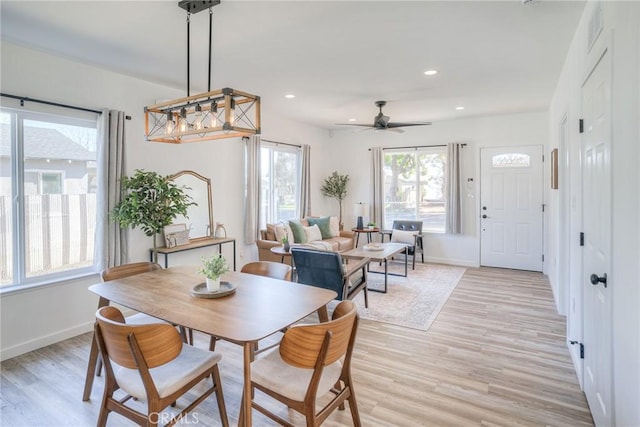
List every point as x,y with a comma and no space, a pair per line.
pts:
234,255
368,237
357,239
246,395
386,273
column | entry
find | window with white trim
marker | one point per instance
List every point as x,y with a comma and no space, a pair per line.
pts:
280,170
47,201
415,187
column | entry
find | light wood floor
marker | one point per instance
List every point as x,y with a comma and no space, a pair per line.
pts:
496,355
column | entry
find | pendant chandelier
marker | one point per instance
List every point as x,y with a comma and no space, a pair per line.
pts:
215,114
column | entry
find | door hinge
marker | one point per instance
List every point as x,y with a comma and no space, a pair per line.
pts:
543,205
542,257
581,125
581,347
581,238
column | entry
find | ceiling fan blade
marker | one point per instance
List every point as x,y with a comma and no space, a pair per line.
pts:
396,130
353,124
399,125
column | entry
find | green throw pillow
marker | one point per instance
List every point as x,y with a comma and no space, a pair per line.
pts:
323,225
299,236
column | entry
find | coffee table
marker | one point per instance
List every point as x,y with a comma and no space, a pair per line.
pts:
388,250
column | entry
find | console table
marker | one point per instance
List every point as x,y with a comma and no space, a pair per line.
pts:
196,244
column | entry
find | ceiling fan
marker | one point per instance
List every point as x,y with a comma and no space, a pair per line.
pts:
381,122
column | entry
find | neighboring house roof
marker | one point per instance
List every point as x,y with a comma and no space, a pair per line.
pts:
45,143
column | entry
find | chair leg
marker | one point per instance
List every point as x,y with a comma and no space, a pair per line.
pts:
215,376
91,369
353,407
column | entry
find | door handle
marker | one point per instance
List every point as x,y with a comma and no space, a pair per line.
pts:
595,279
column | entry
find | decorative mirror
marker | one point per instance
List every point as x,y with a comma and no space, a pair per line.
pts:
200,217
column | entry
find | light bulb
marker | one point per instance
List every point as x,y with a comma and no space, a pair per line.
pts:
214,114
170,126
232,111
183,119
198,117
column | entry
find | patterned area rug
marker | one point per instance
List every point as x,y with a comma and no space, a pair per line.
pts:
412,301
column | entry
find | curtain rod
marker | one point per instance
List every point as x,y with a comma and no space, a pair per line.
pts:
278,142
418,146
55,104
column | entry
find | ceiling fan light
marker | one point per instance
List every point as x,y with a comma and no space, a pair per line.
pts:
431,72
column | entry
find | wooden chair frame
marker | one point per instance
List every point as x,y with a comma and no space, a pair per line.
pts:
314,347
144,347
94,366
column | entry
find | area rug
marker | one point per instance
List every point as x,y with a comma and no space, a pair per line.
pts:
412,301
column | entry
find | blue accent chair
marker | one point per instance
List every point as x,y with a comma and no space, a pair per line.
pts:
325,269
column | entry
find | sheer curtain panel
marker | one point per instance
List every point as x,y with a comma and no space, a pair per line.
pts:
252,188
377,186
305,182
111,240
453,210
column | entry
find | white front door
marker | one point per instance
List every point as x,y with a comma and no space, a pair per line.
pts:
511,206
596,176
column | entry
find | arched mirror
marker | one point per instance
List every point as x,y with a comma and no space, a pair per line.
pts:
200,217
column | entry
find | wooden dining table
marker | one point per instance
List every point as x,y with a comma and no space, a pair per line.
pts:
259,307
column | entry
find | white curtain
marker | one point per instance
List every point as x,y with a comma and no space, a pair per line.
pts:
305,182
111,240
453,209
252,189
377,186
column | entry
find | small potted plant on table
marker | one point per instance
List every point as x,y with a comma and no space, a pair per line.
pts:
212,269
371,225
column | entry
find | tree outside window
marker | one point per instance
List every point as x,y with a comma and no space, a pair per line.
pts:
415,187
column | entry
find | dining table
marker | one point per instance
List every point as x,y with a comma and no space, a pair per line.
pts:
259,307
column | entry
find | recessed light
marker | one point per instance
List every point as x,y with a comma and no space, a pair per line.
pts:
352,120
431,72
289,96
460,108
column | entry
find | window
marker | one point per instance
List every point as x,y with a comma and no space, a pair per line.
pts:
414,187
47,205
280,182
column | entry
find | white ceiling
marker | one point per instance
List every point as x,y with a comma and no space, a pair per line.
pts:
494,57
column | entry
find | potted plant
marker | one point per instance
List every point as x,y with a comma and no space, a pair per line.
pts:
212,268
335,186
371,225
285,244
151,202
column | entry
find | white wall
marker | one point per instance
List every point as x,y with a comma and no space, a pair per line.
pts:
621,31
39,316
349,154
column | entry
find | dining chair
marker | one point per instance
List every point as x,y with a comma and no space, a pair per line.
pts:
409,233
325,269
271,269
275,270
114,273
150,363
312,361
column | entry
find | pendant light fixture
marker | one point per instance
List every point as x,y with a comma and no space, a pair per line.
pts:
215,114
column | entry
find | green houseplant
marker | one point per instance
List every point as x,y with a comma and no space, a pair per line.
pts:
212,268
151,202
335,186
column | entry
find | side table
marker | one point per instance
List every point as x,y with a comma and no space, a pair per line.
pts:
367,231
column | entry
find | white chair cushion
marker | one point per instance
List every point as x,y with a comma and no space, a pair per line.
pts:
169,377
142,319
271,372
283,229
402,236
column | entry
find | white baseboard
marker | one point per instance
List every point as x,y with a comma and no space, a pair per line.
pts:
36,343
451,261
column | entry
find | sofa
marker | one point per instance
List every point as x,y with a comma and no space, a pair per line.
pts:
330,237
